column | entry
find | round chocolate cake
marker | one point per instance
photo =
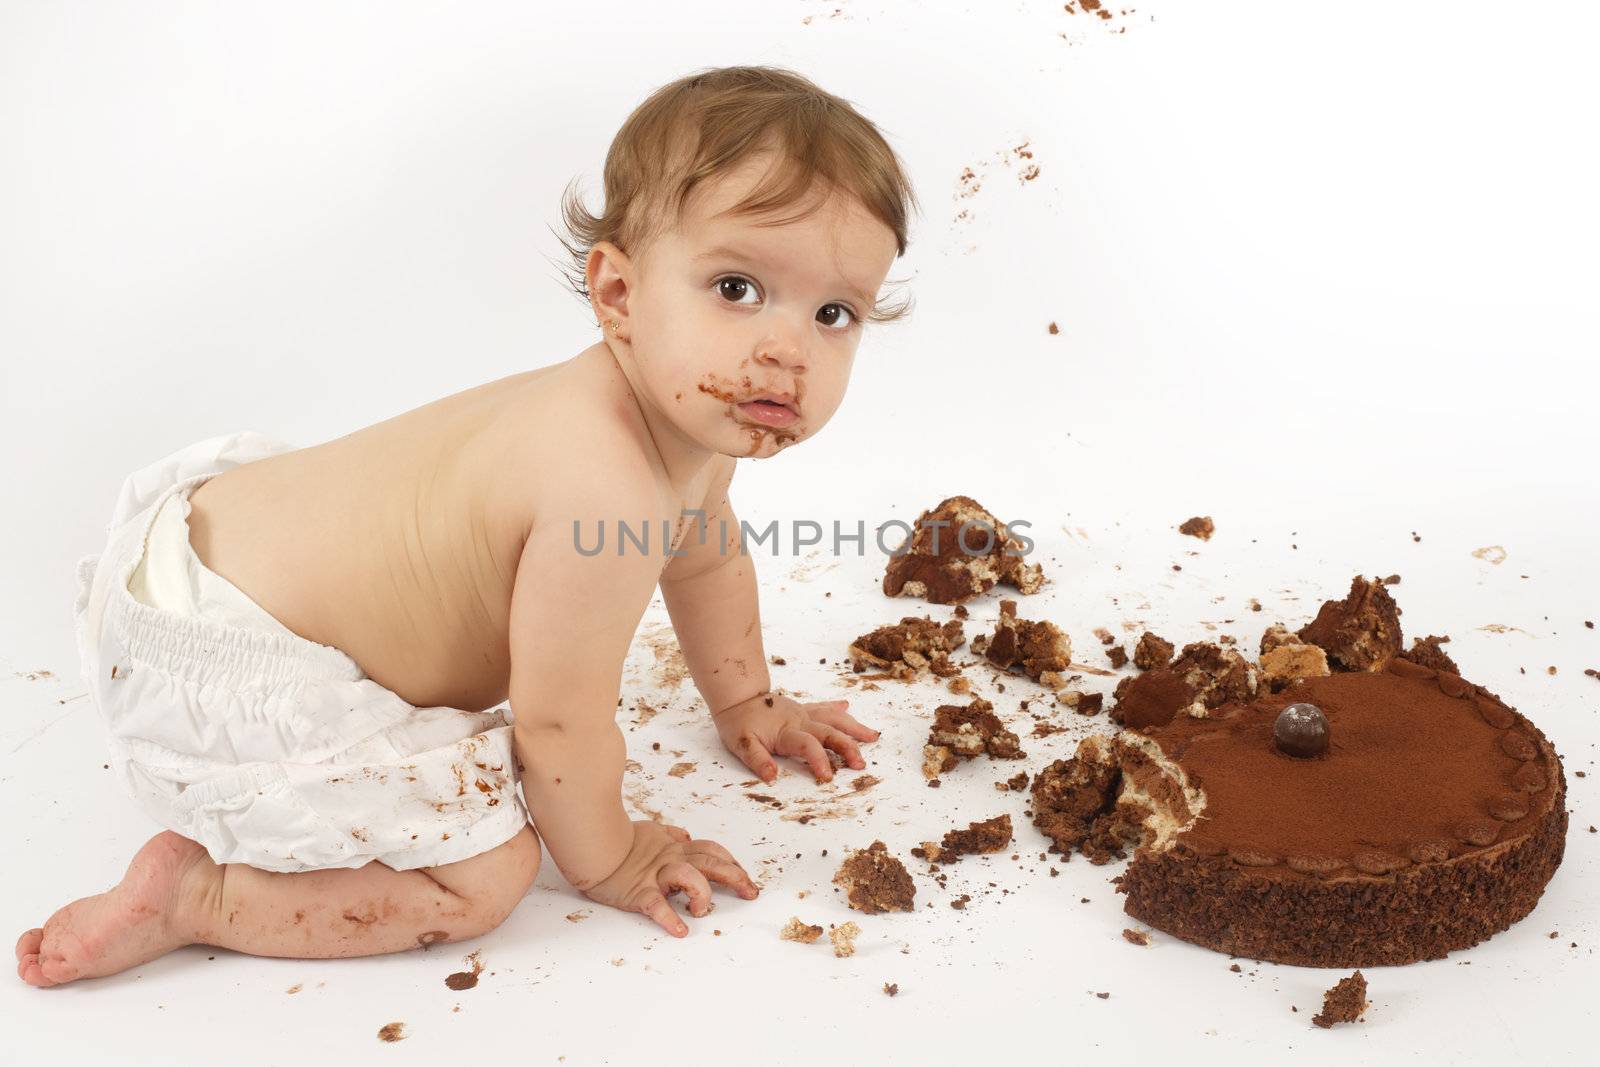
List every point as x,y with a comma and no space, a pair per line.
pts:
1418,814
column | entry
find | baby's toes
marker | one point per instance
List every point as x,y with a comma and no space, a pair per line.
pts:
57,970
29,971
28,943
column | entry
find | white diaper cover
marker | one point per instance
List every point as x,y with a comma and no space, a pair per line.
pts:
267,748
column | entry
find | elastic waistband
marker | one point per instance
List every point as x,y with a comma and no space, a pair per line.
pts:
205,650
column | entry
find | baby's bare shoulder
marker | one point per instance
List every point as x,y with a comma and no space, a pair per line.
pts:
571,451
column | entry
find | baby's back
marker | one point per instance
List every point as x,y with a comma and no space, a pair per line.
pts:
399,543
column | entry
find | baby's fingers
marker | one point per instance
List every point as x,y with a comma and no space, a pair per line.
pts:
684,876
725,872
832,713
840,743
757,758
656,907
798,743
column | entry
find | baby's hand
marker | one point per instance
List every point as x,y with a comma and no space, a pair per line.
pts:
770,725
662,861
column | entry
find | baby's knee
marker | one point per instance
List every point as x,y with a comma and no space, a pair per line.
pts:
504,878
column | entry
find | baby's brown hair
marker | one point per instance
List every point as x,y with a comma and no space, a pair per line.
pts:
707,123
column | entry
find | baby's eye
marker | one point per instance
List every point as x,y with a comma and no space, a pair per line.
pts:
844,310
736,283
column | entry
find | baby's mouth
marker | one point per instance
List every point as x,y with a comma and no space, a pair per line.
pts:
768,413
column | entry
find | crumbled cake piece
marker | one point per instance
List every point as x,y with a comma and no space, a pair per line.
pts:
1152,652
959,685
1203,677
909,646
968,732
1037,647
1200,526
1057,680
1113,793
875,881
1118,656
1360,632
990,835
936,759
1277,635
1425,652
796,930
1090,703
1344,1003
1285,663
1017,782
958,550
1136,937
891,988
844,937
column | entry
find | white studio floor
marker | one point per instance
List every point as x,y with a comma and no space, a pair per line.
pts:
1324,274
1028,952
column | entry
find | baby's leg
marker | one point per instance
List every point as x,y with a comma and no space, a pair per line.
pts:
173,895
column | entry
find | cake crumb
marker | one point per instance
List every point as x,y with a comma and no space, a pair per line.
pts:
892,988
1200,526
1152,652
1344,1003
843,937
805,933
990,835
1136,937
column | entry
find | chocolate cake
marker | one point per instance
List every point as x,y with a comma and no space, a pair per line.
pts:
1360,632
960,733
1204,676
1344,1003
1419,816
1040,648
1152,652
875,881
989,835
958,550
905,648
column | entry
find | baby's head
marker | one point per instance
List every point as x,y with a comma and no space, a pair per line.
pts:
750,219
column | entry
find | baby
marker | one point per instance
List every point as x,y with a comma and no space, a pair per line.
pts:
299,653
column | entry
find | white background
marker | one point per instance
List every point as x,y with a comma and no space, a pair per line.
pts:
1324,272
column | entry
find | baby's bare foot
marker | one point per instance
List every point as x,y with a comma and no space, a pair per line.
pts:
122,928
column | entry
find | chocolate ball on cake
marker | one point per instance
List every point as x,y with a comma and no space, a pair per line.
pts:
1301,731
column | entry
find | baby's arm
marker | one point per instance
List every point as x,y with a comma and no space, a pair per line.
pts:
711,594
572,618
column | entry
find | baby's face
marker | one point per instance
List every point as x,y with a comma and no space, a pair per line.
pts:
724,310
